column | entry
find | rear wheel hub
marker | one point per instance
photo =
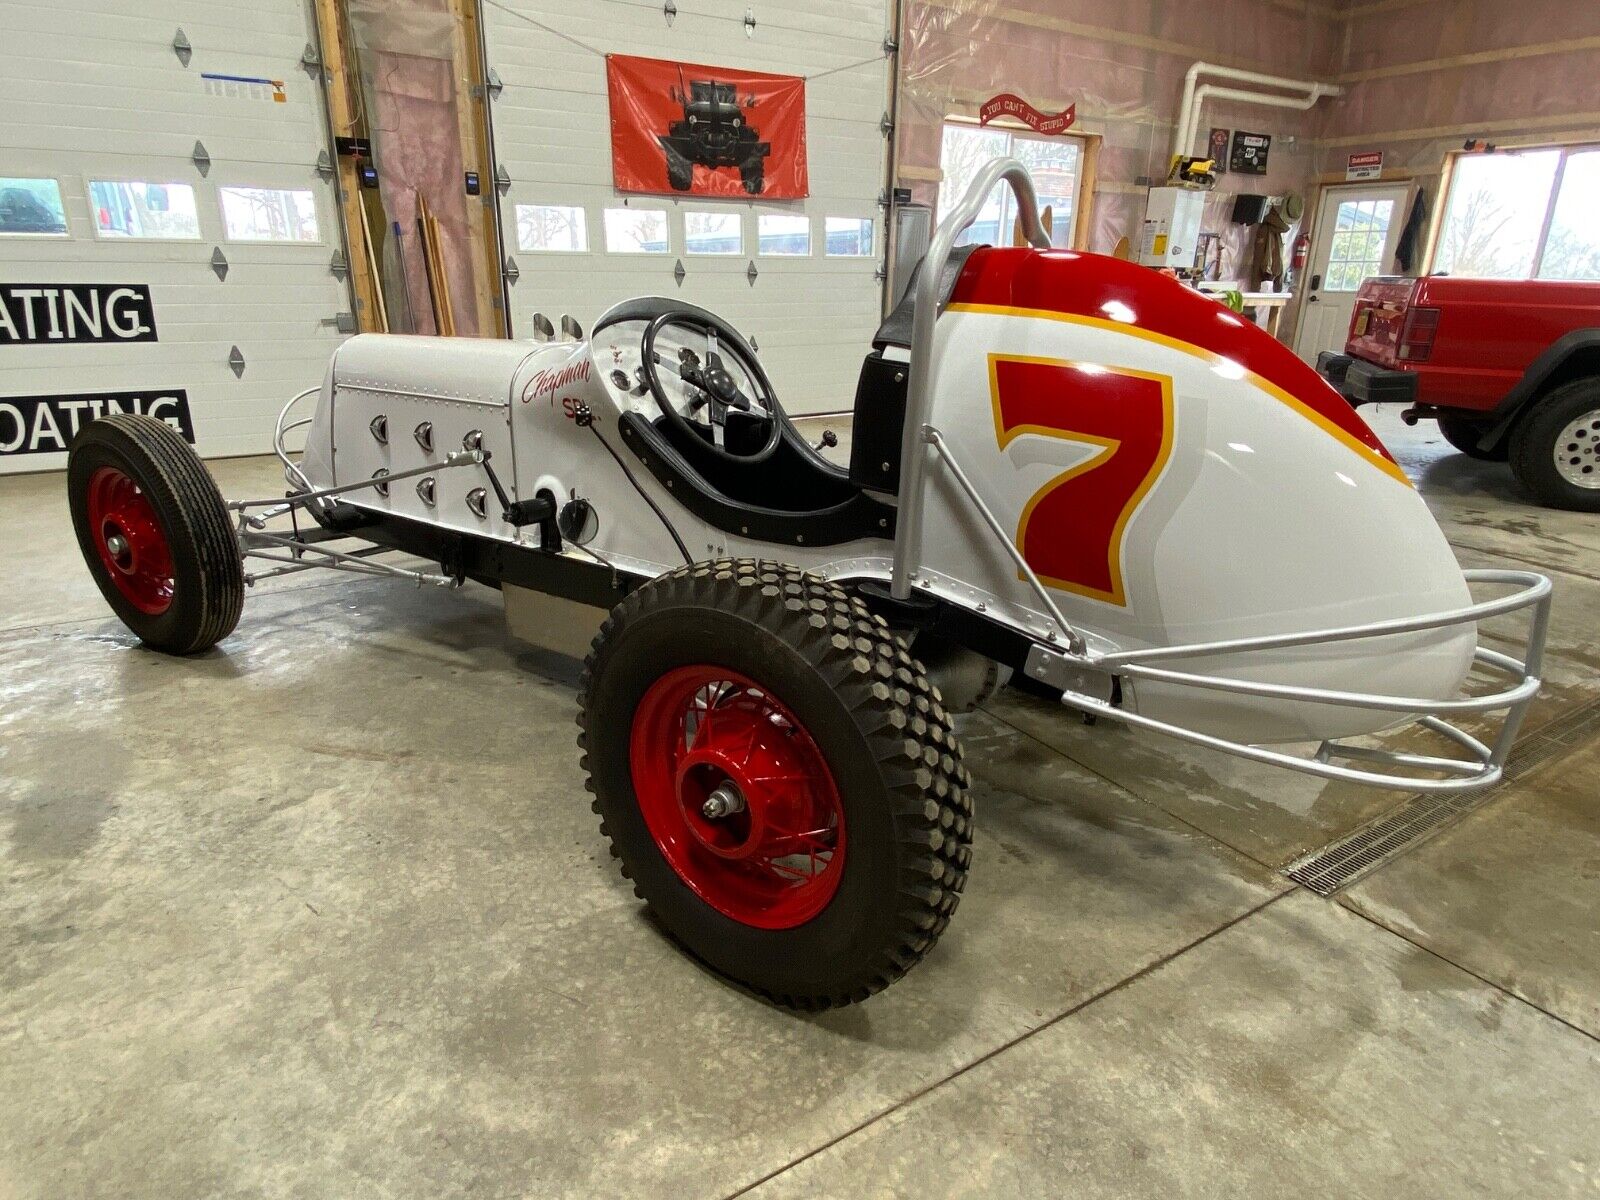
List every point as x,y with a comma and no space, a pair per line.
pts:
130,541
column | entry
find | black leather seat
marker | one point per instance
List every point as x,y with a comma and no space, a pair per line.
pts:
880,408
896,327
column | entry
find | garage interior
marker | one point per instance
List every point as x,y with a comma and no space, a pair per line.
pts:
323,910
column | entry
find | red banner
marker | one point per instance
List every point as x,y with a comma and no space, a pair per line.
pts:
690,129
1008,105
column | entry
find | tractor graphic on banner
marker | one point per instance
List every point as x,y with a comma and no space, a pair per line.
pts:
713,133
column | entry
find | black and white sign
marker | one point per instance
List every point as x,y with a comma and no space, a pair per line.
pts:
45,424
64,313
1250,152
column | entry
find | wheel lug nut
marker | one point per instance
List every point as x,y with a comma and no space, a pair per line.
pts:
723,801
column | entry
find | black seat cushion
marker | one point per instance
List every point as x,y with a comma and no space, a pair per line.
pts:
896,327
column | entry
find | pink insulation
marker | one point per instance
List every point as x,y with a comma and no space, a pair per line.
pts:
1123,66
408,84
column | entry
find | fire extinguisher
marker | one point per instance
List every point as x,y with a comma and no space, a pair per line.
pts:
1302,247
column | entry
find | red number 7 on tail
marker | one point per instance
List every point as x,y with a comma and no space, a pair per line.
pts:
1072,529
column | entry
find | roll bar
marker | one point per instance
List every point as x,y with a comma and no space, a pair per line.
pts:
919,398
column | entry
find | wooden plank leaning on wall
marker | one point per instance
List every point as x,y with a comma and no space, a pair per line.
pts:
472,117
344,109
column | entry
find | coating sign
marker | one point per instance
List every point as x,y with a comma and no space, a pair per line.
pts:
64,313
46,424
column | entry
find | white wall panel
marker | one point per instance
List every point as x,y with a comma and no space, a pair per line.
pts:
95,91
813,316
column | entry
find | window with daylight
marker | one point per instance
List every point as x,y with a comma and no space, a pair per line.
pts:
848,237
124,209
637,231
783,233
32,206
269,215
562,228
1522,215
713,233
1360,231
1056,164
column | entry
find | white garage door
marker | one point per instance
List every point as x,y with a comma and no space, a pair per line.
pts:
815,296
108,227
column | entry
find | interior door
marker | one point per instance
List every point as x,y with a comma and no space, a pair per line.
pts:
1357,228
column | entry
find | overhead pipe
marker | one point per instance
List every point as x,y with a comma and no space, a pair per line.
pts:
1195,94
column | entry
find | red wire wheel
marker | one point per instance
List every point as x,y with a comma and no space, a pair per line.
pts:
155,532
778,778
127,533
738,797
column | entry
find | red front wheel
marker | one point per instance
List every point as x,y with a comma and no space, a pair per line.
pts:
154,532
778,778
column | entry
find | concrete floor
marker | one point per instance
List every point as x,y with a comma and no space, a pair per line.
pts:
325,914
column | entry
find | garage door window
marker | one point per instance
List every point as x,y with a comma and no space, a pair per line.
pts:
849,237
1056,164
269,215
636,230
562,228
144,210
713,233
32,208
1522,215
783,234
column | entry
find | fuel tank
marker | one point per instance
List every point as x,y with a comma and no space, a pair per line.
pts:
1174,475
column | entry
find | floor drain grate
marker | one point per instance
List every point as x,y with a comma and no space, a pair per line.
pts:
1341,863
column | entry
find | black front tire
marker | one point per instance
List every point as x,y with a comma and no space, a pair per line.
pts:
1536,443
207,583
879,726
1464,434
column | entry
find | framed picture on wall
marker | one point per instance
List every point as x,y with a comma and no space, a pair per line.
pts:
1217,149
1249,152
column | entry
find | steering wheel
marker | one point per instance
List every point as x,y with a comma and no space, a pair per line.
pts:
738,423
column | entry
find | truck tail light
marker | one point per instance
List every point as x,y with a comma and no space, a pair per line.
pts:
1416,336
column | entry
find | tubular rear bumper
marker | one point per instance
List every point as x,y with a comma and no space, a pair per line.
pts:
1361,382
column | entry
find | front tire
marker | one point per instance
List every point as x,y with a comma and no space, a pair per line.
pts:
155,533
1555,448
778,778
1464,434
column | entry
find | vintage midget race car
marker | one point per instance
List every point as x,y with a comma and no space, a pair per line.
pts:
1066,471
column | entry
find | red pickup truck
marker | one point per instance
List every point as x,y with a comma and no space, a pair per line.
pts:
1509,368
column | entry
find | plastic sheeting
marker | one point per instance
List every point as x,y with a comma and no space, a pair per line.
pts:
1416,116
408,81
1123,67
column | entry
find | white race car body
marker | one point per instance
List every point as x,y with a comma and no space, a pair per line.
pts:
1168,492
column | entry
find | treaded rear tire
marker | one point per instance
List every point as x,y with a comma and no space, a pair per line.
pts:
1464,434
208,576
1533,445
880,727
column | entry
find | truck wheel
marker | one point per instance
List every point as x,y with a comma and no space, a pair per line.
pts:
680,172
155,533
778,778
1464,434
1555,448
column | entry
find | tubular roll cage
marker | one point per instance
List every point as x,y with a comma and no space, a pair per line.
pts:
1086,677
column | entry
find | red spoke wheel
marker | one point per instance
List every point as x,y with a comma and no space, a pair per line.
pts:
155,533
737,797
778,778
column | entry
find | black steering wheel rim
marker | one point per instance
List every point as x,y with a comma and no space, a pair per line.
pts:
730,344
